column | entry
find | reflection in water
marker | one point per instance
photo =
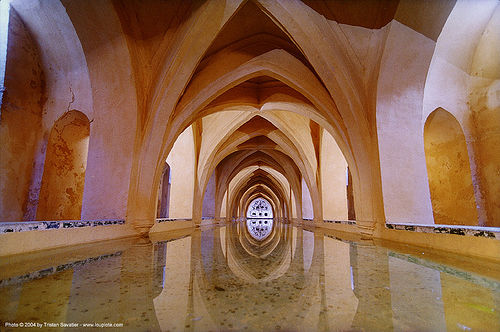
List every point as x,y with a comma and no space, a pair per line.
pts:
222,279
259,229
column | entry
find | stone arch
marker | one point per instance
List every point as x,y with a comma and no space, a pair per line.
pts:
163,121
249,193
271,63
173,77
302,167
195,99
283,99
63,178
284,137
276,161
448,170
279,103
246,183
344,83
249,184
278,64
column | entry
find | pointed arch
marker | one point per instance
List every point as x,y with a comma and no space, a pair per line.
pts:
448,169
181,62
61,193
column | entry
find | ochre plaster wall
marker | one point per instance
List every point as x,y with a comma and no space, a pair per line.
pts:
485,106
463,79
67,83
20,123
182,166
64,171
448,169
333,179
447,87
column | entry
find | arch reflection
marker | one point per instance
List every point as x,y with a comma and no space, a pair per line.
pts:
259,229
216,278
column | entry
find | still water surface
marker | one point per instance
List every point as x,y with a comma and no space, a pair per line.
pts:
223,279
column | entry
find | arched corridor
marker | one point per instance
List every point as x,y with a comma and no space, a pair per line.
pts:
377,119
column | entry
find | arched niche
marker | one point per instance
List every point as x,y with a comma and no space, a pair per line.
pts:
260,208
63,178
448,170
164,193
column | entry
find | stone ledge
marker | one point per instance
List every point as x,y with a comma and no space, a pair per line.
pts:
345,222
24,226
365,228
12,243
477,231
171,219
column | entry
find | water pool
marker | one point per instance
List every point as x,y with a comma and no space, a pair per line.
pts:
219,278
